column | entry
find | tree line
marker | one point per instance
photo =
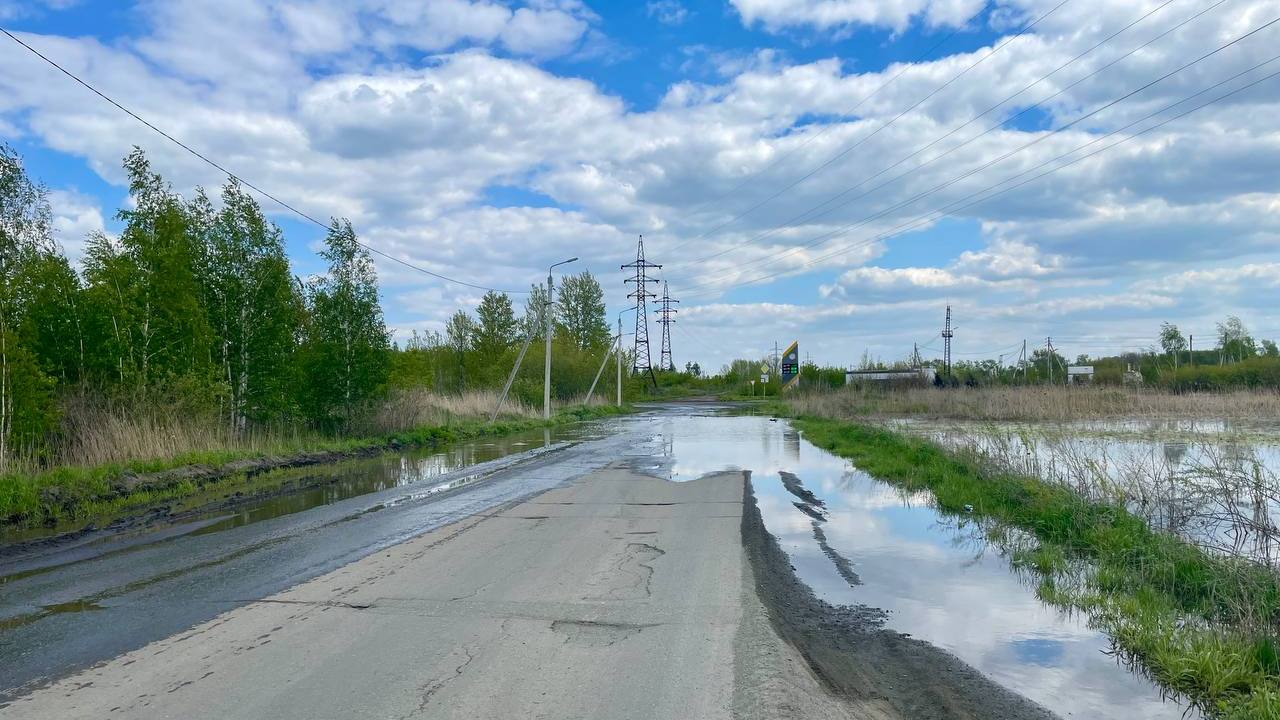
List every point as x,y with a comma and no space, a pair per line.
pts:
194,308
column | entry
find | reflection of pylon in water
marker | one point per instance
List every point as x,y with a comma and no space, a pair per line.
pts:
641,293
664,313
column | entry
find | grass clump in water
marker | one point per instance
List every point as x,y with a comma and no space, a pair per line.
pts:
1204,626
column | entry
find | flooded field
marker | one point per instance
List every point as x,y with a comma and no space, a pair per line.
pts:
1215,483
858,541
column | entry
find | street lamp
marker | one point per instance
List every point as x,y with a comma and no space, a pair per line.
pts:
546,374
620,353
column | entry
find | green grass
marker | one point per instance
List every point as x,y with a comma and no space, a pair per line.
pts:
72,497
1203,626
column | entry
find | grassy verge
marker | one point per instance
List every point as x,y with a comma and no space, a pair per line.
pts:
1201,625
72,497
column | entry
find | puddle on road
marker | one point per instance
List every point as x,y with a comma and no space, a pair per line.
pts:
337,482
940,581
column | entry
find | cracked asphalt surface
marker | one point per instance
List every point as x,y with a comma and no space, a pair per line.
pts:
617,596
566,582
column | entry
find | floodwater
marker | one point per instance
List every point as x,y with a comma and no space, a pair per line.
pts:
1214,483
68,604
939,581
419,467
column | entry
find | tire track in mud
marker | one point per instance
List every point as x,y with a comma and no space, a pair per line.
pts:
856,658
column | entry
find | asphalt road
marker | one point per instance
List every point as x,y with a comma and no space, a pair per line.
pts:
617,596
122,593
572,581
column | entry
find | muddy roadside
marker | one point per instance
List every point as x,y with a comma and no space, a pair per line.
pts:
856,658
202,491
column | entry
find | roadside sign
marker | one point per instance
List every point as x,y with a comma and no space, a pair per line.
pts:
790,371
764,379
764,370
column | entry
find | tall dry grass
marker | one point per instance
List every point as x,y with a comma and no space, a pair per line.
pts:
418,407
97,434
1035,403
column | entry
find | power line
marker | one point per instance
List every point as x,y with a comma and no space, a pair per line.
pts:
952,181
875,132
814,136
967,202
820,239
812,213
236,177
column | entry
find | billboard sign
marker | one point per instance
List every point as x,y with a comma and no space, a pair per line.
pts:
790,368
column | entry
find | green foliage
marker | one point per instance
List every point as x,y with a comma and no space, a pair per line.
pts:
254,308
496,329
1253,373
34,282
345,353
580,313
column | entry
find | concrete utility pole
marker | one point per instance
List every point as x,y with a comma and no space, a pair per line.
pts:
620,314
1191,350
1048,357
546,316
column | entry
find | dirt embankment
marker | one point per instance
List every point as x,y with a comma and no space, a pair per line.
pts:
856,658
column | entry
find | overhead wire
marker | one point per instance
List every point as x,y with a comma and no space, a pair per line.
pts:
812,213
967,202
1005,42
204,158
825,128
841,230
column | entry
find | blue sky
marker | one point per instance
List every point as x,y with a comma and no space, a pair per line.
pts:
485,139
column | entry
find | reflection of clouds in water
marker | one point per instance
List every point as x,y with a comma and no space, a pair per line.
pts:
934,578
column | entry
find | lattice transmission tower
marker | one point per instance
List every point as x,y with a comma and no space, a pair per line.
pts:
641,294
664,313
947,334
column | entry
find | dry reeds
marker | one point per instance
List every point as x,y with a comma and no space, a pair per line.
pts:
419,407
97,433
1035,403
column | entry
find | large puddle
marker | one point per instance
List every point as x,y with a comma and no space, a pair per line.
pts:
939,580
421,468
1213,483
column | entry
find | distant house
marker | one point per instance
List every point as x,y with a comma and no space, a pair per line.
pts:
1080,374
914,375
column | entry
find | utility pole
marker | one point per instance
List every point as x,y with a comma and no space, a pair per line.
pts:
775,357
1191,350
546,316
1022,359
619,360
915,356
947,334
620,314
641,361
1048,357
664,313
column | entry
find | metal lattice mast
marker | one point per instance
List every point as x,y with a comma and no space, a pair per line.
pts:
947,334
641,361
664,313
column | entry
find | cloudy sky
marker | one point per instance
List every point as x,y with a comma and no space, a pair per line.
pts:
833,171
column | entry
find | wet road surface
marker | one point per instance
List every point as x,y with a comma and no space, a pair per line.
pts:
852,539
